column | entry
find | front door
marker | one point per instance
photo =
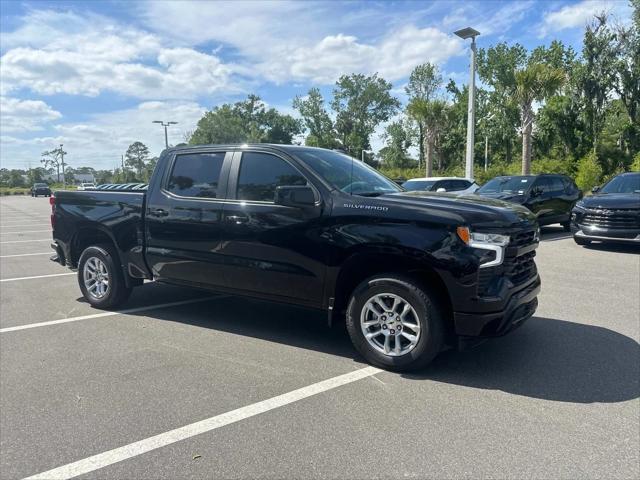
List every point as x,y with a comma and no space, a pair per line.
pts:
183,219
267,248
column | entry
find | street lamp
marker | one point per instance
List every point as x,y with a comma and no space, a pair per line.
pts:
165,125
365,151
472,34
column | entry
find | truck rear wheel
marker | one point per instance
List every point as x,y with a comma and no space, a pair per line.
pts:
394,323
100,277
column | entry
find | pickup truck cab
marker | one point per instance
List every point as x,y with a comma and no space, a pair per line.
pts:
412,272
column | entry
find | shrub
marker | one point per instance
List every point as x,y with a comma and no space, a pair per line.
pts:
565,166
589,172
635,165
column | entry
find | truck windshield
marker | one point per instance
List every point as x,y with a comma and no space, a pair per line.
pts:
507,185
623,184
346,173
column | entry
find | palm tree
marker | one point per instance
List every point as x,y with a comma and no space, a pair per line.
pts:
534,83
431,115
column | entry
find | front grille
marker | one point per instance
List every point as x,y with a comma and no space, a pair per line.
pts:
522,268
518,269
613,219
521,239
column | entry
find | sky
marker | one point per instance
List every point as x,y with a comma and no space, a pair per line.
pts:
94,75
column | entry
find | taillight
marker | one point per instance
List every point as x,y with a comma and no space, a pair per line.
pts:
52,202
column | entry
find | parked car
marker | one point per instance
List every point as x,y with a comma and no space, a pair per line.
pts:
410,271
40,189
550,197
87,186
611,214
441,184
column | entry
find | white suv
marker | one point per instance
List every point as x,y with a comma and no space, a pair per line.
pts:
87,186
461,186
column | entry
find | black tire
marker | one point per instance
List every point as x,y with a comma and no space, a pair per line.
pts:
429,313
581,241
117,292
566,226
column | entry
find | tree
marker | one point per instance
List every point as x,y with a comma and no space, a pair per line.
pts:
424,81
247,121
534,83
52,159
361,103
398,140
136,157
316,120
36,175
432,115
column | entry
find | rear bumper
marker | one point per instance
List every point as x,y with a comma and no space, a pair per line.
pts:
519,307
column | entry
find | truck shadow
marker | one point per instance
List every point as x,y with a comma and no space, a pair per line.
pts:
547,358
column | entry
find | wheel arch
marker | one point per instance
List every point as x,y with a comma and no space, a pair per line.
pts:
366,264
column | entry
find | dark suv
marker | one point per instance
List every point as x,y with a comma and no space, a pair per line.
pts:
611,214
40,189
551,197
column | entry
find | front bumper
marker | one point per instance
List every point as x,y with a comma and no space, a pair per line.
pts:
606,234
518,307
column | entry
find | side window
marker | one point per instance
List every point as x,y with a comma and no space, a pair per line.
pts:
458,185
261,173
446,184
557,186
544,184
196,175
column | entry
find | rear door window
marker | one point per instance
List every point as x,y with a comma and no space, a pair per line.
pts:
196,175
557,187
457,185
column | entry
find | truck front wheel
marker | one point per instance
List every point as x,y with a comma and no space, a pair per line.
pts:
100,277
395,323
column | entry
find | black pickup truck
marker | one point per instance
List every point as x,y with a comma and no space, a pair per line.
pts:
414,272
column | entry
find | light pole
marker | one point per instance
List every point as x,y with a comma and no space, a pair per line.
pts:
165,125
472,34
64,178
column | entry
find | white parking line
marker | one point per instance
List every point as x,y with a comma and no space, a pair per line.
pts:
106,314
26,254
37,276
101,460
25,231
25,241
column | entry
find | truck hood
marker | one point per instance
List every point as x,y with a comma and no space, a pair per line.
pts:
612,200
470,209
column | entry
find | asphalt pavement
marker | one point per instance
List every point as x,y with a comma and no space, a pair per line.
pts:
188,384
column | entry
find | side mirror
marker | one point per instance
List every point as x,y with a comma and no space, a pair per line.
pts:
441,189
536,192
595,189
295,196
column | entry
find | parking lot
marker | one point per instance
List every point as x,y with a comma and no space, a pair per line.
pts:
188,384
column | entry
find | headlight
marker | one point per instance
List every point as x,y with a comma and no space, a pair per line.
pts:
485,241
490,239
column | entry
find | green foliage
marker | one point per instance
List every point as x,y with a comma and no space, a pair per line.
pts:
247,121
398,140
496,169
361,103
136,157
635,165
316,120
589,173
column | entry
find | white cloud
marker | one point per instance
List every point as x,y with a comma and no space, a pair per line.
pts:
100,141
579,14
97,55
301,41
25,115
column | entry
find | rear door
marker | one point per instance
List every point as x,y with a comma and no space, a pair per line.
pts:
268,248
540,199
183,218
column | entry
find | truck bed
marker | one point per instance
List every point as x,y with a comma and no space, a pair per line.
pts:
82,215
